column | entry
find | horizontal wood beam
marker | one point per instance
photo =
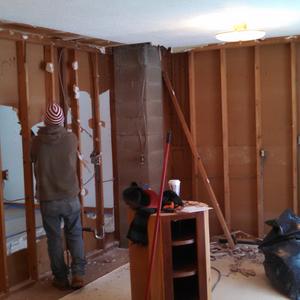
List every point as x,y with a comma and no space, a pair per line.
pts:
36,39
269,41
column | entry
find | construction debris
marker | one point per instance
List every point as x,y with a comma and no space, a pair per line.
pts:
239,254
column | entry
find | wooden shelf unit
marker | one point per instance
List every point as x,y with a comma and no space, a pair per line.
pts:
182,264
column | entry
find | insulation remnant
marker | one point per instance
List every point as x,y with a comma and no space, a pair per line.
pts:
75,65
49,67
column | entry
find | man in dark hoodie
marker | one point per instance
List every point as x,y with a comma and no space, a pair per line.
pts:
54,154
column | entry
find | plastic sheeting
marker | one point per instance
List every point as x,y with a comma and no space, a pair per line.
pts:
281,248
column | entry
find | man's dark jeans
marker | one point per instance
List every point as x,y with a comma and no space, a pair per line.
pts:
53,212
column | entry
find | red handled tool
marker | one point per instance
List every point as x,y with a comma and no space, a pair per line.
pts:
157,221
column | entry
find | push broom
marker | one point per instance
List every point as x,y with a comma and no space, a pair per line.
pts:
157,220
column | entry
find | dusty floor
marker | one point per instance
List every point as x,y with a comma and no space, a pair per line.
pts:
96,267
253,285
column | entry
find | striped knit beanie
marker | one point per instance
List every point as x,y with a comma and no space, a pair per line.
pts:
54,115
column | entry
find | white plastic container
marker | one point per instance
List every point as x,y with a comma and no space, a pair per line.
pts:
174,185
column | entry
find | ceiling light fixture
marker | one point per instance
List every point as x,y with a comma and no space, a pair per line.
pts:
240,33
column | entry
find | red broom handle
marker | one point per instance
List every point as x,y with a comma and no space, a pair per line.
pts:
157,221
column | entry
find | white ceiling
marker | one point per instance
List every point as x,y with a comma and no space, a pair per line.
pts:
172,23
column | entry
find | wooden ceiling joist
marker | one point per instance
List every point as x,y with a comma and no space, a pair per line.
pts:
45,36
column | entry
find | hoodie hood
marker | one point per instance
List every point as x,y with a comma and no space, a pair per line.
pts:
51,134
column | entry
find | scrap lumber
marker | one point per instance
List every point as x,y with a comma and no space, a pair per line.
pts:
200,165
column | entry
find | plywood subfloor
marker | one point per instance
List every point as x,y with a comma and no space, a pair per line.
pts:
116,285
97,267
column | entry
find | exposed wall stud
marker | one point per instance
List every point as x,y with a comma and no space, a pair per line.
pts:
259,159
114,150
28,179
294,127
62,78
3,256
94,69
200,165
49,76
224,102
76,128
192,98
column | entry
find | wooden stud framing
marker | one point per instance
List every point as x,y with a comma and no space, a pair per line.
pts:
62,79
294,127
3,256
73,75
224,102
94,68
192,98
114,151
26,140
36,39
200,165
49,77
258,126
269,41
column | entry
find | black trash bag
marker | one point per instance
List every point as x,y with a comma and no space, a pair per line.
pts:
135,196
169,197
138,229
281,248
138,200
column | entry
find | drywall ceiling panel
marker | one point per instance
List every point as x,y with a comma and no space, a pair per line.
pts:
8,74
168,22
36,83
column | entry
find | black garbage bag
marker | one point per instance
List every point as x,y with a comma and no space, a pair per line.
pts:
138,200
135,197
281,248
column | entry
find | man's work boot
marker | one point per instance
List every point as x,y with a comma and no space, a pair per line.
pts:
61,284
77,282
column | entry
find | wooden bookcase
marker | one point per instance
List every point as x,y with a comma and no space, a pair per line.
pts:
182,264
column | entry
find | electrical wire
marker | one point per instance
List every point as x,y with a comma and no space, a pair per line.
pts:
103,181
218,279
89,180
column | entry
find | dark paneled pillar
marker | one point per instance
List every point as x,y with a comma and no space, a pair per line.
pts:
139,119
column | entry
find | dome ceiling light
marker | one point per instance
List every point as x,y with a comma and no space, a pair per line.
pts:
240,33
